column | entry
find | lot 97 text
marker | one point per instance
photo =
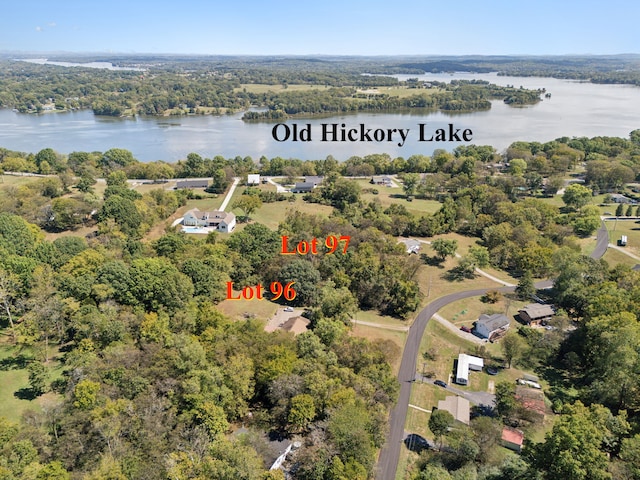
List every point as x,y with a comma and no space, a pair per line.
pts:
331,242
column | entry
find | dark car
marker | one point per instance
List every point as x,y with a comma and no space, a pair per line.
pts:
465,329
440,383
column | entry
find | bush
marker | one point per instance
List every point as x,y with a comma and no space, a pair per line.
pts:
492,296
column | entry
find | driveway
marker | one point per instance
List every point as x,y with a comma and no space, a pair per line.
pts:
477,398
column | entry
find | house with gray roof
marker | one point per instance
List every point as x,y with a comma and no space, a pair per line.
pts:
303,187
490,325
221,221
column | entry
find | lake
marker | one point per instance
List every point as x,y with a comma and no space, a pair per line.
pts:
574,109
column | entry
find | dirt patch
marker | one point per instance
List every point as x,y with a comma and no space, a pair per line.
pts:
276,322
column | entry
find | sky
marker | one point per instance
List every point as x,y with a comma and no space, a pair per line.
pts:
329,27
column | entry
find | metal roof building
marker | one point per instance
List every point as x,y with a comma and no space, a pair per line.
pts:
466,363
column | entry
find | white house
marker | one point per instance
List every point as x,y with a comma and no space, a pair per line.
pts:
488,325
253,179
221,221
466,363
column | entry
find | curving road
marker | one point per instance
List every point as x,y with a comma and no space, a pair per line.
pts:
390,453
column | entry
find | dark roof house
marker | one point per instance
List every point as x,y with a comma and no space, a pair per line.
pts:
192,184
313,179
303,187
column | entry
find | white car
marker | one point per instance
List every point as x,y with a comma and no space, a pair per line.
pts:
288,309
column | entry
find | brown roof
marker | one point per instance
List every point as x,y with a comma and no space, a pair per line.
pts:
456,406
535,310
512,435
296,325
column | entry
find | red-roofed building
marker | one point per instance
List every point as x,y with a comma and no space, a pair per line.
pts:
512,439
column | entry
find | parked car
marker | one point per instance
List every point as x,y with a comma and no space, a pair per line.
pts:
288,309
465,329
440,383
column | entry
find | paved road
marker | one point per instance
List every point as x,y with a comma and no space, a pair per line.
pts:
390,453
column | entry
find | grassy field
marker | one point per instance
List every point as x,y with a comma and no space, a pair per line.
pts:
614,257
263,88
434,281
630,228
241,309
390,195
14,378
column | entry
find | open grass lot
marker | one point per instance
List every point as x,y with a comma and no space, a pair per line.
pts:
434,282
15,180
615,257
630,228
390,195
272,214
373,316
427,396
241,309
446,346
14,379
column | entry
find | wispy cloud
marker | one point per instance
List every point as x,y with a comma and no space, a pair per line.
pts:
52,24
38,29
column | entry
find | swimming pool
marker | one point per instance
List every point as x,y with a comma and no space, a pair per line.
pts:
197,229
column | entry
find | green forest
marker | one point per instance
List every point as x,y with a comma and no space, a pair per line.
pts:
147,378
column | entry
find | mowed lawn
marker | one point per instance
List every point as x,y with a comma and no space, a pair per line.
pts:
14,380
630,228
395,195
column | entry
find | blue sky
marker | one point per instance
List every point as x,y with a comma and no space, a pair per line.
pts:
331,27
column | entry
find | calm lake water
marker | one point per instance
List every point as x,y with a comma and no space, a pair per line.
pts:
574,109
